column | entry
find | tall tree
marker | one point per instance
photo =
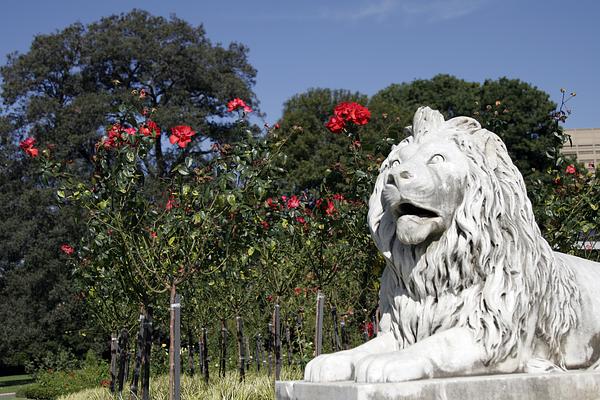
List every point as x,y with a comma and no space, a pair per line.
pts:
63,92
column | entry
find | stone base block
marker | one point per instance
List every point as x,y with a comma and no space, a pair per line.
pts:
571,385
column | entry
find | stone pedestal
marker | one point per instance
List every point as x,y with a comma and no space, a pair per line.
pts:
572,385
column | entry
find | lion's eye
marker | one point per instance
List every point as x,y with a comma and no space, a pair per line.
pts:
395,163
438,158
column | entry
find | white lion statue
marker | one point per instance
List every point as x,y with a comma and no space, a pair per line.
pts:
470,285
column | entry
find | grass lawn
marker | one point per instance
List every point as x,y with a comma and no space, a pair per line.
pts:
12,383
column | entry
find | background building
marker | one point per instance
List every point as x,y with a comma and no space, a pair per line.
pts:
586,146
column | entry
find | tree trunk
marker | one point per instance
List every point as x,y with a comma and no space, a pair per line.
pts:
205,354
138,360
123,339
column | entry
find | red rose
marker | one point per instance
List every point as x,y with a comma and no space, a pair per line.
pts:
181,135
153,235
335,125
293,202
301,220
130,131
330,208
570,169
27,146
238,103
348,112
270,298
68,250
369,329
338,197
271,203
113,136
150,129
29,142
170,203
297,291
277,126
32,152
265,225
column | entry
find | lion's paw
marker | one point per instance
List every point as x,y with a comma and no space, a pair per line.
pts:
330,368
391,367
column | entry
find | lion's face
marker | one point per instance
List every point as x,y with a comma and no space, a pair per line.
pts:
423,185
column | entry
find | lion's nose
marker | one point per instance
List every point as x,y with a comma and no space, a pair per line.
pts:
399,177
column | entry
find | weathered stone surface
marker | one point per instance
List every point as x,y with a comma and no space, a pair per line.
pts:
572,385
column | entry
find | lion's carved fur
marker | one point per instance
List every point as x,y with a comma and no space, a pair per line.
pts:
490,271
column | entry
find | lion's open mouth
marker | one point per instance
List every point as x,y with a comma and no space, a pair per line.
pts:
409,209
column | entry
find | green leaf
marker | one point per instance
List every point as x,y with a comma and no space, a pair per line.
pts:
171,240
231,199
60,193
197,218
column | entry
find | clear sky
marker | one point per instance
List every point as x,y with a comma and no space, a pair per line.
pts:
365,46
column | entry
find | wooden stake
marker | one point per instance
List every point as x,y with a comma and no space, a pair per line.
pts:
223,360
269,348
114,348
257,353
148,332
190,352
138,360
288,344
344,334
334,324
200,355
319,324
123,339
205,354
277,337
248,354
242,350
175,346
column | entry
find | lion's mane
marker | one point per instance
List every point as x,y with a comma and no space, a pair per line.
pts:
490,271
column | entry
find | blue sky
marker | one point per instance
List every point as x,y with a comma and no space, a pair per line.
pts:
365,46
